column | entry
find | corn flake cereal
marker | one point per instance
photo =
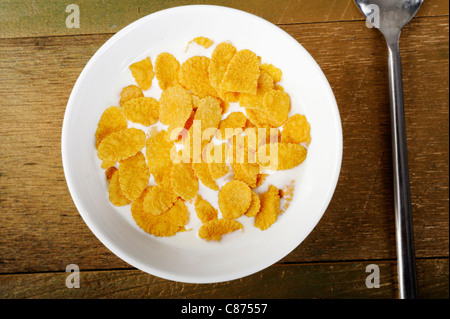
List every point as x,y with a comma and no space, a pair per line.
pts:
255,206
281,156
215,156
121,144
108,164
158,148
273,71
209,114
228,126
201,141
270,208
259,118
220,58
162,225
166,70
204,42
158,200
216,228
110,172
175,108
112,120
143,74
242,73
116,196
194,76
205,211
234,199
265,85
142,110
183,181
201,170
277,104
133,176
246,172
130,92
296,130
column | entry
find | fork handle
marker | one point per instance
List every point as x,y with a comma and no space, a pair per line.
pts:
403,219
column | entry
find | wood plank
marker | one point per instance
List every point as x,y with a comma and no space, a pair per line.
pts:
331,280
42,230
39,18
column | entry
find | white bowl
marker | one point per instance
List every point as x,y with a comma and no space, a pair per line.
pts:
185,257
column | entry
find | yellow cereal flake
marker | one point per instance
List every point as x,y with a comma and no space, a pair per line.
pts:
108,164
158,148
277,104
265,84
183,180
215,156
273,71
259,118
142,110
281,156
112,120
220,58
270,208
234,199
216,228
261,135
158,199
296,130
201,170
175,108
121,144
130,92
203,41
260,179
205,211
110,172
231,125
208,114
246,172
194,76
133,176
143,74
229,97
116,196
255,206
241,150
166,70
287,193
162,225
242,73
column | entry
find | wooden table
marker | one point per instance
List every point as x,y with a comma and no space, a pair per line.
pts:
42,232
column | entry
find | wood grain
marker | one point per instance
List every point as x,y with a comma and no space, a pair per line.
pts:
42,230
39,18
329,280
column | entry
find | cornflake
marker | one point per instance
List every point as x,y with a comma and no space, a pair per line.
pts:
216,228
121,144
234,199
133,176
166,70
143,74
112,120
270,208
